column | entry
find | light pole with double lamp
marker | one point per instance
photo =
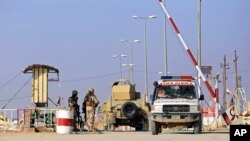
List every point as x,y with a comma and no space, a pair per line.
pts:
131,65
120,60
145,18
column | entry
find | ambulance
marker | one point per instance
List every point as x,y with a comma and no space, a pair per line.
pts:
176,102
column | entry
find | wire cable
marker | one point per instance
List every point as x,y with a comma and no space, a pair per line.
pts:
92,77
10,80
23,97
16,93
52,101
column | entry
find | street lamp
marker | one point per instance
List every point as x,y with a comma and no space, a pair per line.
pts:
131,72
145,47
129,67
120,60
160,72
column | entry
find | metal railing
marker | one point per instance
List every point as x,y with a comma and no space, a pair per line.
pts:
31,117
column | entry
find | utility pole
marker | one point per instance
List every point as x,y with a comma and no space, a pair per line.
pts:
237,106
217,99
225,67
165,45
199,41
236,70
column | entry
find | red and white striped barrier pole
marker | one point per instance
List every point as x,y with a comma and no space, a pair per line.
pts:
217,88
189,53
187,50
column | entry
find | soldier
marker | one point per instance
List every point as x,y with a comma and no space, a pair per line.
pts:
161,93
90,102
73,100
73,106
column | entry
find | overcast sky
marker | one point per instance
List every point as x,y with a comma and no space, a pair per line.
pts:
79,37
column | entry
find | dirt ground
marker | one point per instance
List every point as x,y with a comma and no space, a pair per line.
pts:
116,136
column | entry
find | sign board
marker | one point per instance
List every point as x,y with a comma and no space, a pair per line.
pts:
206,70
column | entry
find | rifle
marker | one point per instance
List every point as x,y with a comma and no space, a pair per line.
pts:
84,111
78,117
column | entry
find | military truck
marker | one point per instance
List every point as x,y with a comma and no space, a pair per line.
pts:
176,103
125,107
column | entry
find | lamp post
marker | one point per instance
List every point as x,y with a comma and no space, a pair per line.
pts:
131,65
120,60
145,48
165,44
199,41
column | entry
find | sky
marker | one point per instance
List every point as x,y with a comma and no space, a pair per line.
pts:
80,37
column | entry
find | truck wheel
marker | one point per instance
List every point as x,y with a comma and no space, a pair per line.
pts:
139,128
142,125
197,127
154,127
129,109
145,125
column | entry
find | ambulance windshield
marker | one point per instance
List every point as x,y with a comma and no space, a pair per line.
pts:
176,91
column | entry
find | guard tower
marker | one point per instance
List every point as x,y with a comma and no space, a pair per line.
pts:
40,80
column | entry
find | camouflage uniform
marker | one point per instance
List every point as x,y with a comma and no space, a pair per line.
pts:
90,102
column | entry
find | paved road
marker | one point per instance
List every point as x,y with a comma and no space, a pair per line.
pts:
116,136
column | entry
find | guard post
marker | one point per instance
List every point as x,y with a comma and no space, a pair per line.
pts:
40,80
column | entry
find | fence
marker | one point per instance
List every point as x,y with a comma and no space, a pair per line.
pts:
14,118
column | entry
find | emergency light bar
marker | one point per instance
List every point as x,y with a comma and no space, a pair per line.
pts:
177,77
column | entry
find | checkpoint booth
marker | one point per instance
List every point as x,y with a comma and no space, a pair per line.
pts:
40,74
41,113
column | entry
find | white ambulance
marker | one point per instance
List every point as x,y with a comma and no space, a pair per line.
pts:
176,103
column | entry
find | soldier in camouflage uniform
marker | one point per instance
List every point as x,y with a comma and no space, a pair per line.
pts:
90,102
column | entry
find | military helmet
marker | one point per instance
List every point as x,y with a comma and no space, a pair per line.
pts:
74,93
91,90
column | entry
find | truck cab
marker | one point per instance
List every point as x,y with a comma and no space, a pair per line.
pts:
176,103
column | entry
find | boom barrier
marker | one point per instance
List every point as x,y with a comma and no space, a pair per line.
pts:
193,60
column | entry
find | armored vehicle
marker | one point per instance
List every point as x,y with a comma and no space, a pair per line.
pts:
125,107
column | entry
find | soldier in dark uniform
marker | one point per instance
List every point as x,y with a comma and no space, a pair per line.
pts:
73,106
